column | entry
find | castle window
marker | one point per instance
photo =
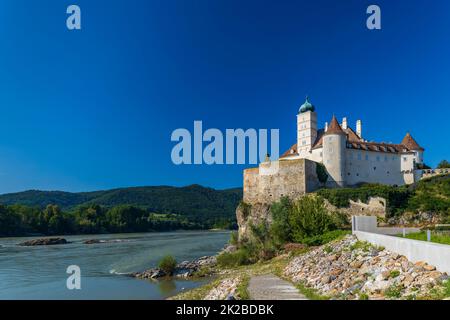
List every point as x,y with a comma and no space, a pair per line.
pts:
304,142
404,159
349,173
374,168
367,157
378,158
359,156
357,174
321,154
385,158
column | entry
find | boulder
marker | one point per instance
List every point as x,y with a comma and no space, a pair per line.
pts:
44,242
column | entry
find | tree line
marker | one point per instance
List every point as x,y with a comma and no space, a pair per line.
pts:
20,220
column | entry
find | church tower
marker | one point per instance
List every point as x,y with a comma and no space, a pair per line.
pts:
306,128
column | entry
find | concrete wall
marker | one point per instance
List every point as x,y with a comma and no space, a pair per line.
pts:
276,179
434,254
428,173
369,224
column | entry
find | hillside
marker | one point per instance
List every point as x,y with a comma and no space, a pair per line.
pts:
194,202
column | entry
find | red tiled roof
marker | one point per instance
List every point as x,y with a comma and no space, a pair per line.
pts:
410,143
354,142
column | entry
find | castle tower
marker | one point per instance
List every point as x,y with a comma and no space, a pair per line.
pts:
412,145
306,128
334,146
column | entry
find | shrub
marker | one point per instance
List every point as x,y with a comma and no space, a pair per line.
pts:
234,238
280,228
321,172
363,296
309,218
234,259
322,239
168,264
394,291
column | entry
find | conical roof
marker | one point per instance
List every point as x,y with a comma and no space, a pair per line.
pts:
409,142
334,127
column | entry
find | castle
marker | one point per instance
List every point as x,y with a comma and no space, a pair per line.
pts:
347,157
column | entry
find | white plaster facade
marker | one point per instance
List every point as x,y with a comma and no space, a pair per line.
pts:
348,158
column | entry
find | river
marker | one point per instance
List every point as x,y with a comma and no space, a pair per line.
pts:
39,272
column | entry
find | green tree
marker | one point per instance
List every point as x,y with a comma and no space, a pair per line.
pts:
444,164
126,218
10,222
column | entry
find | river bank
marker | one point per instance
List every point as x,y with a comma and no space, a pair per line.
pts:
344,269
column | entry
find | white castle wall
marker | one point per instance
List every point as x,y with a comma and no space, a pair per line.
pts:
373,167
334,158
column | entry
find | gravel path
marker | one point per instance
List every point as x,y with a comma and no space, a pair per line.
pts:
271,287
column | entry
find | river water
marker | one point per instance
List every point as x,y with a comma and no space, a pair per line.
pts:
39,272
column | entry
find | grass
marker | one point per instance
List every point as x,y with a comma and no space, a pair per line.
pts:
435,237
310,293
394,291
394,273
363,245
197,293
242,288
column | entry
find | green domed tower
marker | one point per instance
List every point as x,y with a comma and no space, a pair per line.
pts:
307,106
306,128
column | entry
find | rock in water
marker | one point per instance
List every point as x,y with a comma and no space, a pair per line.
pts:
43,242
92,241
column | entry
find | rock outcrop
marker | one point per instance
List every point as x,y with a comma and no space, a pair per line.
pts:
248,215
350,269
44,242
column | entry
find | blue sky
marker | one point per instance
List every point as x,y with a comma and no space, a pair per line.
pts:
94,109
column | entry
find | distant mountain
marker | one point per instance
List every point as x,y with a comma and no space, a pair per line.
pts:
194,201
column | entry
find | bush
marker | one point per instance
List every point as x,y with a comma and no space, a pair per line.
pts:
280,228
234,259
322,239
234,238
168,264
321,172
309,218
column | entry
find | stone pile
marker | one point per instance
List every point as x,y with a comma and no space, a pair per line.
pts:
184,269
226,290
350,269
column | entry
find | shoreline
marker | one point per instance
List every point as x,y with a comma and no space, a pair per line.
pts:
112,233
